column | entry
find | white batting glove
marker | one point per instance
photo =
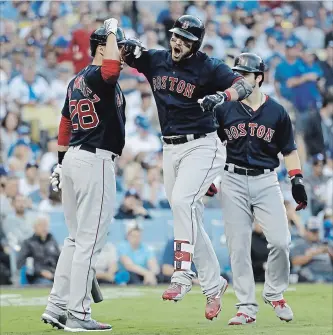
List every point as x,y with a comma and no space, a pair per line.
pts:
56,178
110,26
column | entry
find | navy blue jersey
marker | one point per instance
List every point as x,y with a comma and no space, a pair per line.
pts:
255,138
97,111
178,86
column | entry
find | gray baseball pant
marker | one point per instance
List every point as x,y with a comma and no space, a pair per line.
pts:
88,195
243,198
189,169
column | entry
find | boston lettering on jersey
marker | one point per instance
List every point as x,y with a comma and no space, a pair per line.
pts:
173,84
254,130
178,86
254,139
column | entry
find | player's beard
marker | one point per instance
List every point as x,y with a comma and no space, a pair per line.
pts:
178,54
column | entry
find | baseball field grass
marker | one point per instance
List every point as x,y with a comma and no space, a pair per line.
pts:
141,311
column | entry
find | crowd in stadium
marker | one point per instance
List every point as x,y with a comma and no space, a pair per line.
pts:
43,44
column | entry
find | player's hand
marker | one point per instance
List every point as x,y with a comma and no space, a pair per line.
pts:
111,25
211,191
56,178
298,192
210,102
131,50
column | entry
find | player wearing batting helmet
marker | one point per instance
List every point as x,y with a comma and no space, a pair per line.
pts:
257,129
91,136
193,154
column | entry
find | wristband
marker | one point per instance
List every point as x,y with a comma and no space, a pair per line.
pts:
227,95
293,173
61,155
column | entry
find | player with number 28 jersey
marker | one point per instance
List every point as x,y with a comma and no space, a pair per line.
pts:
91,136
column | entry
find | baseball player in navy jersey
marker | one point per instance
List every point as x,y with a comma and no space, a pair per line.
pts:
192,152
91,135
256,129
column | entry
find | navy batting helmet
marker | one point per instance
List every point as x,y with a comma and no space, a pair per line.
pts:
191,28
250,62
98,37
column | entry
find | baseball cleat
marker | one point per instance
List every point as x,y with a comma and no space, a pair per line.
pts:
74,325
53,319
176,291
214,304
281,308
241,319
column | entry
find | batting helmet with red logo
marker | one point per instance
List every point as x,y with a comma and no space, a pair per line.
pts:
191,28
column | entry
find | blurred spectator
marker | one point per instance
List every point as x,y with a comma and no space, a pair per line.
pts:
116,10
17,226
310,257
197,8
259,253
290,74
43,250
106,265
328,224
8,132
5,200
225,32
318,183
29,183
52,203
296,226
50,157
29,88
17,61
60,82
42,193
136,257
212,38
28,150
327,68
311,36
167,17
80,46
154,192
132,207
3,92
318,133
307,96
276,29
150,40
168,266
143,140
47,67
33,50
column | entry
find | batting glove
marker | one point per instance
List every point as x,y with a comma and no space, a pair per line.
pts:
298,192
210,102
132,49
211,191
110,25
56,178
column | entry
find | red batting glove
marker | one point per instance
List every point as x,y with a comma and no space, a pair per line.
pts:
211,191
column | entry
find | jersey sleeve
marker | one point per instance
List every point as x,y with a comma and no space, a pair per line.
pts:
285,135
224,77
145,62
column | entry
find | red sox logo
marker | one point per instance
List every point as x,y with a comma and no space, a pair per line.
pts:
185,25
179,255
239,131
